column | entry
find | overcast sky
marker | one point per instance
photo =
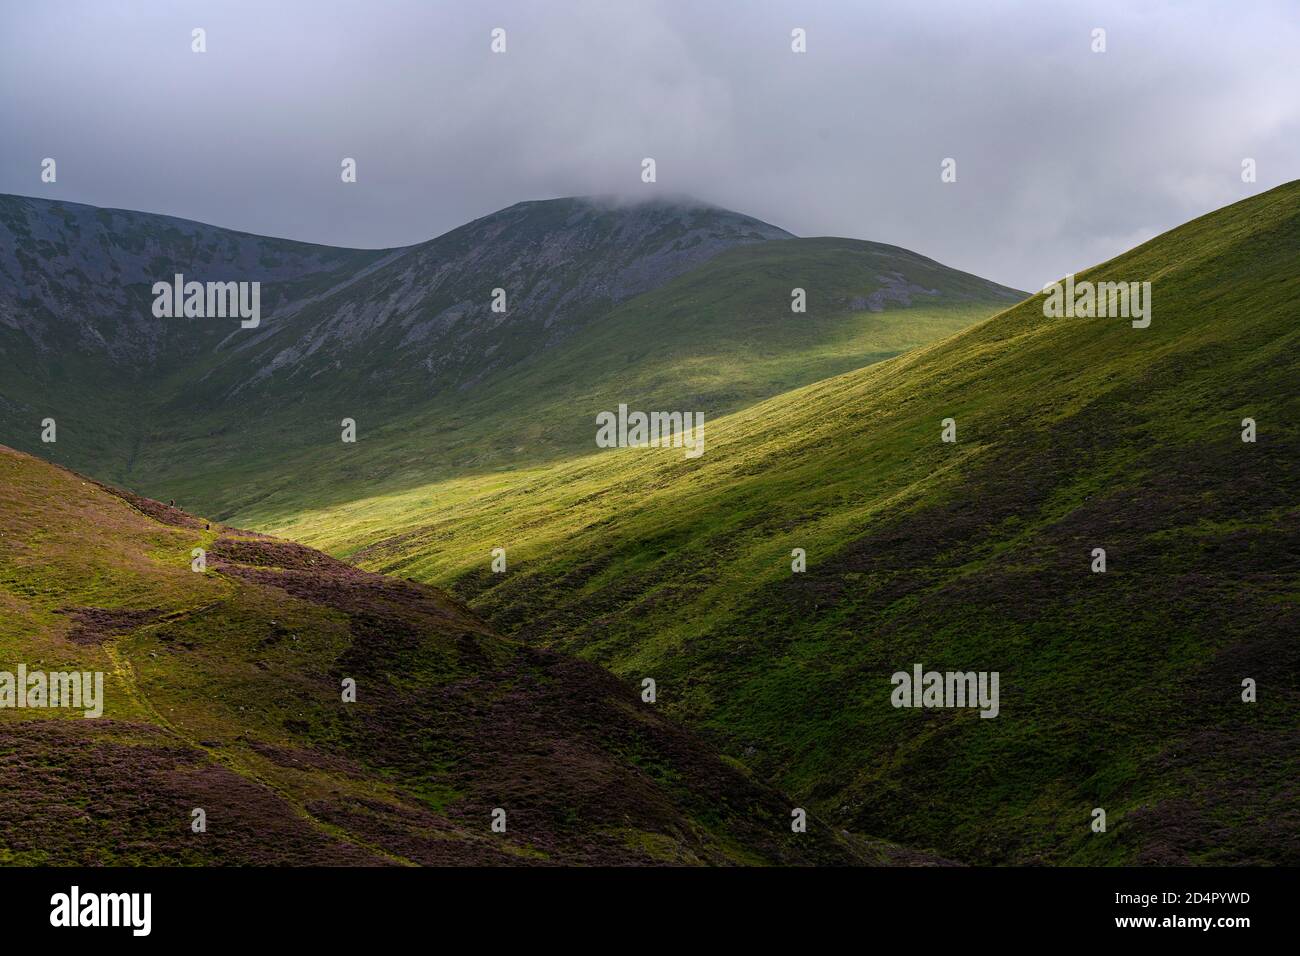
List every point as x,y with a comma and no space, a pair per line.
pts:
1065,157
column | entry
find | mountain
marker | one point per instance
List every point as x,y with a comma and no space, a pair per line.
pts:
222,693
77,278
78,339
669,301
1121,690
386,328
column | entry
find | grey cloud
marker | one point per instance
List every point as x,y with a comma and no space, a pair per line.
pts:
1065,157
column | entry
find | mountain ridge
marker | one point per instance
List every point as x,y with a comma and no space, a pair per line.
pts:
405,341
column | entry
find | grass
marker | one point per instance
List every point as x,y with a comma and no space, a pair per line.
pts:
187,426
1119,690
716,340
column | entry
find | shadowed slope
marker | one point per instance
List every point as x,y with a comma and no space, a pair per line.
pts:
379,330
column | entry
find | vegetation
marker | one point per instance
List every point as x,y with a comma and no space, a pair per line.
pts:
1120,690
223,693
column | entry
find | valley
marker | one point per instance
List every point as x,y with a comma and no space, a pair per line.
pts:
1119,689
477,437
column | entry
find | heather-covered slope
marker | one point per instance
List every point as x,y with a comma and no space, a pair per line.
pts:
1120,690
223,693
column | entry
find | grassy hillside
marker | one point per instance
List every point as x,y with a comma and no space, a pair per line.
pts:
1119,690
223,692
379,330
675,304
715,340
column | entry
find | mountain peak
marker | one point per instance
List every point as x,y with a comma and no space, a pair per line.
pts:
661,217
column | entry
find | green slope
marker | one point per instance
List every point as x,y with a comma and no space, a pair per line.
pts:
717,339
222,692
1119,690
382,331
673,303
